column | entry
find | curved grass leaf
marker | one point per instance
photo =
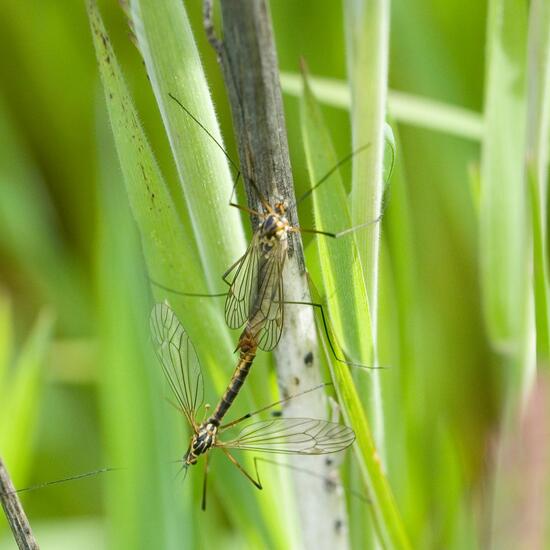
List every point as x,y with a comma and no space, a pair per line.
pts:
6,336
173,65
503,236
344,288
143,509
403,107
171,255
348,309
173,259
538,117
20,393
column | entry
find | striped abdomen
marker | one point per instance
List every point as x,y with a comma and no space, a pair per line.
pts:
247,347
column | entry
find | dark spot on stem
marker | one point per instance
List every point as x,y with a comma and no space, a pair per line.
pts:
330,486
329,461
308,359
338,524
296,381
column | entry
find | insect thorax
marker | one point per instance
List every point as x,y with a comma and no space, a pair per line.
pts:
202,441
274,226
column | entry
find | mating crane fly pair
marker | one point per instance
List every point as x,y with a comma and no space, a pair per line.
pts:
180,364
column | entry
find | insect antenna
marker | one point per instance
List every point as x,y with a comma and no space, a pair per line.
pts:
65,480
220,146
228,157
340,163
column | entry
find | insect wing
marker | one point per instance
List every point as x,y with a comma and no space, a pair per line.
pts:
178,359
266,322
244,286
304,436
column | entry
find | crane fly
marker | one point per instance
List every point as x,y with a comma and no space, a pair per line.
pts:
255,296
180,364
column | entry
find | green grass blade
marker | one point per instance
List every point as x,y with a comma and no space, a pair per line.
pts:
171,255
387,519
173,65
367,51
348,309
6,336
538,122
403,107
173,259
145,508
21,397
540,270
343,282
503,238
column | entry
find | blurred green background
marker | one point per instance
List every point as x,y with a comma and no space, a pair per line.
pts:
72,289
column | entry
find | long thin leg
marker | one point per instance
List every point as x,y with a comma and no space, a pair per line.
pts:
180,293
279,402
313,304
203,503
256,481
245,209
327,479
200,294
339,234
331,345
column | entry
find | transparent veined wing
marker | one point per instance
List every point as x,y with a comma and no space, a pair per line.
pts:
178,359
266,316
304,436
244,286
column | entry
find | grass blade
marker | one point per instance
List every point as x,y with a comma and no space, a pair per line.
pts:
343,282
173,65
339,264
403,107
21,396
538,122
173,259
503,238
136,423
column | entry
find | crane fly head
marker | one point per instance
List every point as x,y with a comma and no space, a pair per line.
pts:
281,207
